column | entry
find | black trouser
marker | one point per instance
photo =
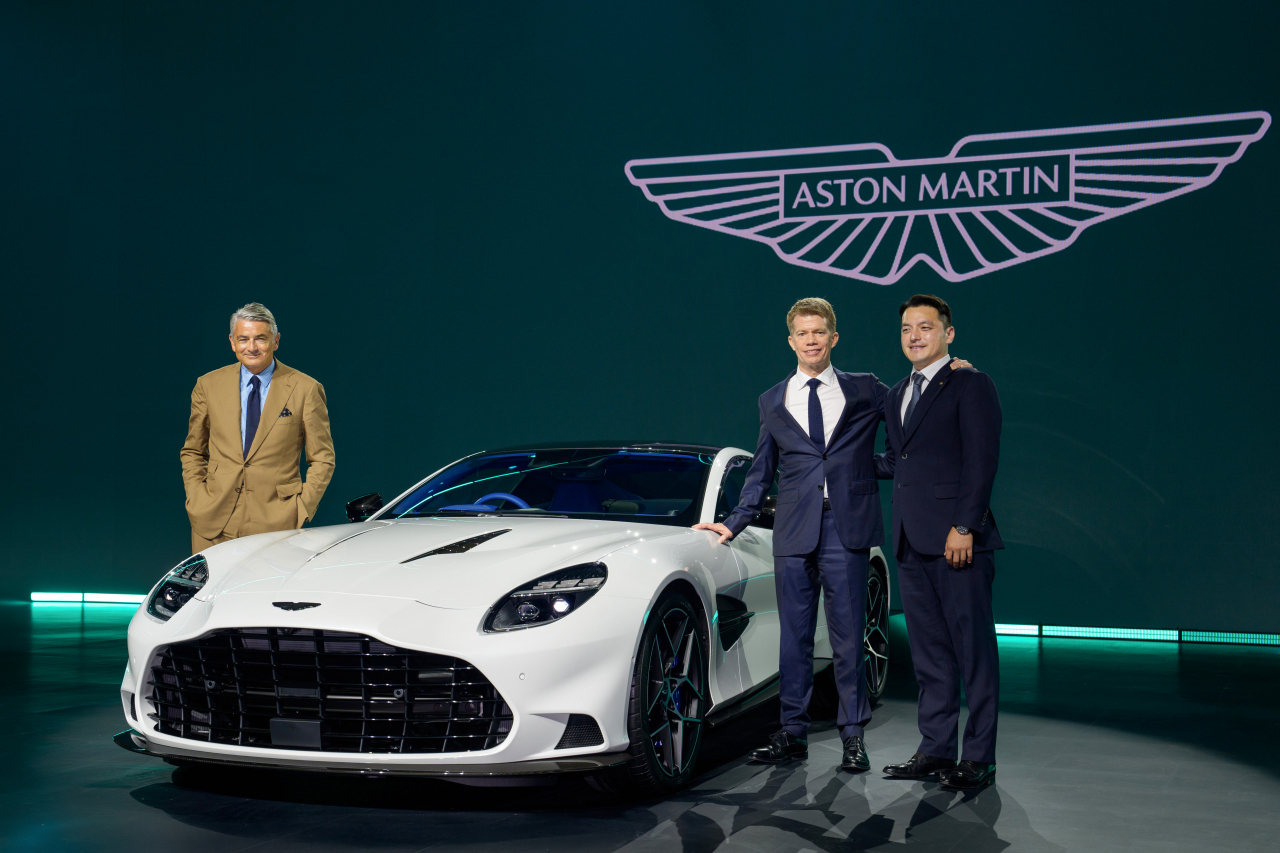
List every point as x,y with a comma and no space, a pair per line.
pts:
953,641
840,576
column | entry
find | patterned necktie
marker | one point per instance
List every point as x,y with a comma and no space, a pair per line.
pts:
917,380
253,413
816,431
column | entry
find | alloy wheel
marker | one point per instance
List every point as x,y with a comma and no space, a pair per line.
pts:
675,693
875,638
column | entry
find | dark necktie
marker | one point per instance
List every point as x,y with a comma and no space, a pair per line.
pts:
253,414
816,430
917,380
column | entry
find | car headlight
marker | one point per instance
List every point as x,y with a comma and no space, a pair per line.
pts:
547,599
178,587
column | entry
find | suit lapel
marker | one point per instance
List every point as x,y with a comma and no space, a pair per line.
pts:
893,411
780,406
850,389
277,395
927,396
225,393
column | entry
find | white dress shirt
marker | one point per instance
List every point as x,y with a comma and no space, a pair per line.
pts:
929,373
830,396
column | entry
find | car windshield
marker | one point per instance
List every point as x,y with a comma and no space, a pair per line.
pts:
661,487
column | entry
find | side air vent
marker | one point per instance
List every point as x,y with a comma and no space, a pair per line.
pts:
459,547
734,617
581,731
133,706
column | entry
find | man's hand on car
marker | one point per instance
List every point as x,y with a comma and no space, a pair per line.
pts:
725,533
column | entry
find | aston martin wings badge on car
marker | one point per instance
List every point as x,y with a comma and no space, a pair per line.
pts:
995,201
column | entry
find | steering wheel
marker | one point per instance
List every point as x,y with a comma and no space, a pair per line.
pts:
506,496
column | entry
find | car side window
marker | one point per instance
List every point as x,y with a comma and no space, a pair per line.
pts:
735,477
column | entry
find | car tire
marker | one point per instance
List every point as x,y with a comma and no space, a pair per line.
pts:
668,703
875,637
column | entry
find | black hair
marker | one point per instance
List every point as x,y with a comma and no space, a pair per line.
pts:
926,300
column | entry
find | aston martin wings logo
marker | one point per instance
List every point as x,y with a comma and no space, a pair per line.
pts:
995,201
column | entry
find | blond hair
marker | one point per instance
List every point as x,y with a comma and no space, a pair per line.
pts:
816,306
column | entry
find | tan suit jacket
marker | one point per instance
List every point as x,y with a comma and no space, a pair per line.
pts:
265,488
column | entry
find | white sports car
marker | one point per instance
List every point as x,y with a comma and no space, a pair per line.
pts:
519,613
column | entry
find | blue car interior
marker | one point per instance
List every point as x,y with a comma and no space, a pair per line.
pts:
591,482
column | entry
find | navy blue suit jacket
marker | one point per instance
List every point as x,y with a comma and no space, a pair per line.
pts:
943,461
847,464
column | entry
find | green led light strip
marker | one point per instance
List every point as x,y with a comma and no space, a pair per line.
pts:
1159,635
1005,630
1110,633
87,597
1231,637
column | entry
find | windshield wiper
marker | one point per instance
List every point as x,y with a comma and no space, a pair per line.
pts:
506,513
511,513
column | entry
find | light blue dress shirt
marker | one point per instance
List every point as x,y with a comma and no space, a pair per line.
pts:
246,389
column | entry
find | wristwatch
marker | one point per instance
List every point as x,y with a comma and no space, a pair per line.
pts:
963,531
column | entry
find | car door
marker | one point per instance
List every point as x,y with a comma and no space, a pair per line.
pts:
726,578
753,548
750,615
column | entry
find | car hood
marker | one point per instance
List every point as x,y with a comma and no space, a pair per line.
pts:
377,558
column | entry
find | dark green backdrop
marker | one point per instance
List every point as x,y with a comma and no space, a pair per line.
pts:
431,198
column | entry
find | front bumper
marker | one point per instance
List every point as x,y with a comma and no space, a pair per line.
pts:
581,665
495,775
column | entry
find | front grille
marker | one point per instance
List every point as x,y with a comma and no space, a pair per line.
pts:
581,730
228,686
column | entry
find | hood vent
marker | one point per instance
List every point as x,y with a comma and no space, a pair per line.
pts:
459,547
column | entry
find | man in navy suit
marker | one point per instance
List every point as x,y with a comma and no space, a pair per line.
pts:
819,424
942,443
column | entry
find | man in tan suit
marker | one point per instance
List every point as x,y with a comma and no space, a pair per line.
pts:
249,424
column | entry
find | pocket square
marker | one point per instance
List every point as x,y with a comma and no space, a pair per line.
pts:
285,413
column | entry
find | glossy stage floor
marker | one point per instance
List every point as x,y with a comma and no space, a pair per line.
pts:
1103,746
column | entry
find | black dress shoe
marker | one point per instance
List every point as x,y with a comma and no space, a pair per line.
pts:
968,776
783,746
920,766
855,756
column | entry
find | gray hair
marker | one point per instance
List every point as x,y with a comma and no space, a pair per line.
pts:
255,312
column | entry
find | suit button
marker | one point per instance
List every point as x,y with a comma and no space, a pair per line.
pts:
820,488
824,457
904,456
900,485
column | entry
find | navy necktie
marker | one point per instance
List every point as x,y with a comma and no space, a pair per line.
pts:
917,380
252,414
816,430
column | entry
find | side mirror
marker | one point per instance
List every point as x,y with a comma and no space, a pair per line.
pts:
363,507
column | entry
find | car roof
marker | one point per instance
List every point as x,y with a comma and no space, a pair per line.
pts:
605,444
